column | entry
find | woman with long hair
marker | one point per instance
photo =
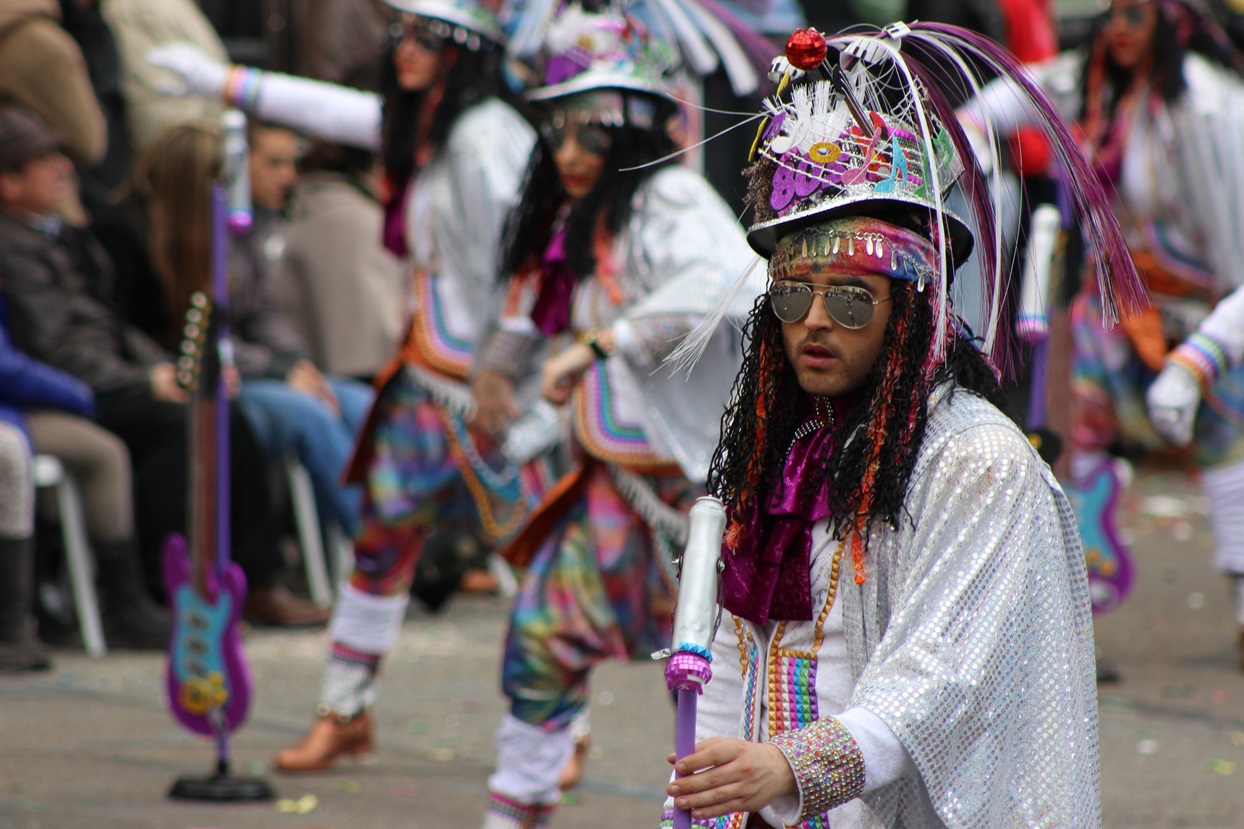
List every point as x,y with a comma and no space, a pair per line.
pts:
614,252
293,408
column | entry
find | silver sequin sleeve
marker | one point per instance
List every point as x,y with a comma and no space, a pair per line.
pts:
971,636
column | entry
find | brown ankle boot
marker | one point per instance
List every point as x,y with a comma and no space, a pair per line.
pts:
330,738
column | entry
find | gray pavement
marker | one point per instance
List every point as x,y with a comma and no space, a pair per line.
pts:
89,745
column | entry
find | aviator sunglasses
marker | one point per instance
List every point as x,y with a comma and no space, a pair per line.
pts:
591,139
420,33
848,305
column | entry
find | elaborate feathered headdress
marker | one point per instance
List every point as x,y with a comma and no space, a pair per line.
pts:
861,122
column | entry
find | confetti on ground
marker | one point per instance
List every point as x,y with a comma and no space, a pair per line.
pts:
442,755
417,727
1236,738
1147,747
605,698
1168,575
571,799
303,805
1217,696
1224,767
1196,601
1165,506
350,786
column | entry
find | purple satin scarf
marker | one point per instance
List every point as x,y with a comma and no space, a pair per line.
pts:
551,313
768,575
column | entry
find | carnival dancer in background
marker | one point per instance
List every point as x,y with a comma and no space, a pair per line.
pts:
454,147
905,602
614,252
1199,377
1159,104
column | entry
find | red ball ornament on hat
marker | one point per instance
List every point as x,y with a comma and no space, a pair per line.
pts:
806,49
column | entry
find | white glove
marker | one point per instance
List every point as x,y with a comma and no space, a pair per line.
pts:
197,72
1173,399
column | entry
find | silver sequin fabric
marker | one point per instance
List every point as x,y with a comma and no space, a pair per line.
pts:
971,636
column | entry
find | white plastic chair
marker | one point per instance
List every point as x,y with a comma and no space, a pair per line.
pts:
49,472
307,523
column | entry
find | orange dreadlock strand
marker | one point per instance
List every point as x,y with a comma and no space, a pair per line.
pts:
754,463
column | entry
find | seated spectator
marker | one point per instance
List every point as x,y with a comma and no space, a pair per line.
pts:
56,408
52,278
43,69
292,407
336,284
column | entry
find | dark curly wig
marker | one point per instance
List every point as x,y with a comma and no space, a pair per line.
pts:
871,472
529,225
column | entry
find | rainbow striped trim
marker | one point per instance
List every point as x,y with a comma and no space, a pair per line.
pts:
603,433
1203,357
437,345
734,820
242,87
511,810
792,691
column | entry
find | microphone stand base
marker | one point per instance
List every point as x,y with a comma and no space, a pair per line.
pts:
222,787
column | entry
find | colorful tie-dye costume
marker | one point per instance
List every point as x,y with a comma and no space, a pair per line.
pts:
1110,377
595,590
596,587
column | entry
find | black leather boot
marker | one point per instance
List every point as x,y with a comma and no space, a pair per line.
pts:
132,619
20,648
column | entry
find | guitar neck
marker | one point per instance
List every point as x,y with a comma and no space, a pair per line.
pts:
203,492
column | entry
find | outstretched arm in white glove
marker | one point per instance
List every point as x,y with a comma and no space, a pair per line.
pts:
1173,399
1195,366
333,113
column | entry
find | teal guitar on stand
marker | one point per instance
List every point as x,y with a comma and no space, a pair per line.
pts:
209,685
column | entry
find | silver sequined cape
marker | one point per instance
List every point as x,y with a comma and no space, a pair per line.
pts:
971,638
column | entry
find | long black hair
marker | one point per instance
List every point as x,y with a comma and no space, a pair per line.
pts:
610,201
408,125
870,474
1172,41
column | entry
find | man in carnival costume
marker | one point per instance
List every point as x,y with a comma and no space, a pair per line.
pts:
906,637
614,252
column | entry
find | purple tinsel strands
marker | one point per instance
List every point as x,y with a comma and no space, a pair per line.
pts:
980,205
1122,291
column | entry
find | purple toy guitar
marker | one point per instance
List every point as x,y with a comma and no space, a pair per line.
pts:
1110,570
209,686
